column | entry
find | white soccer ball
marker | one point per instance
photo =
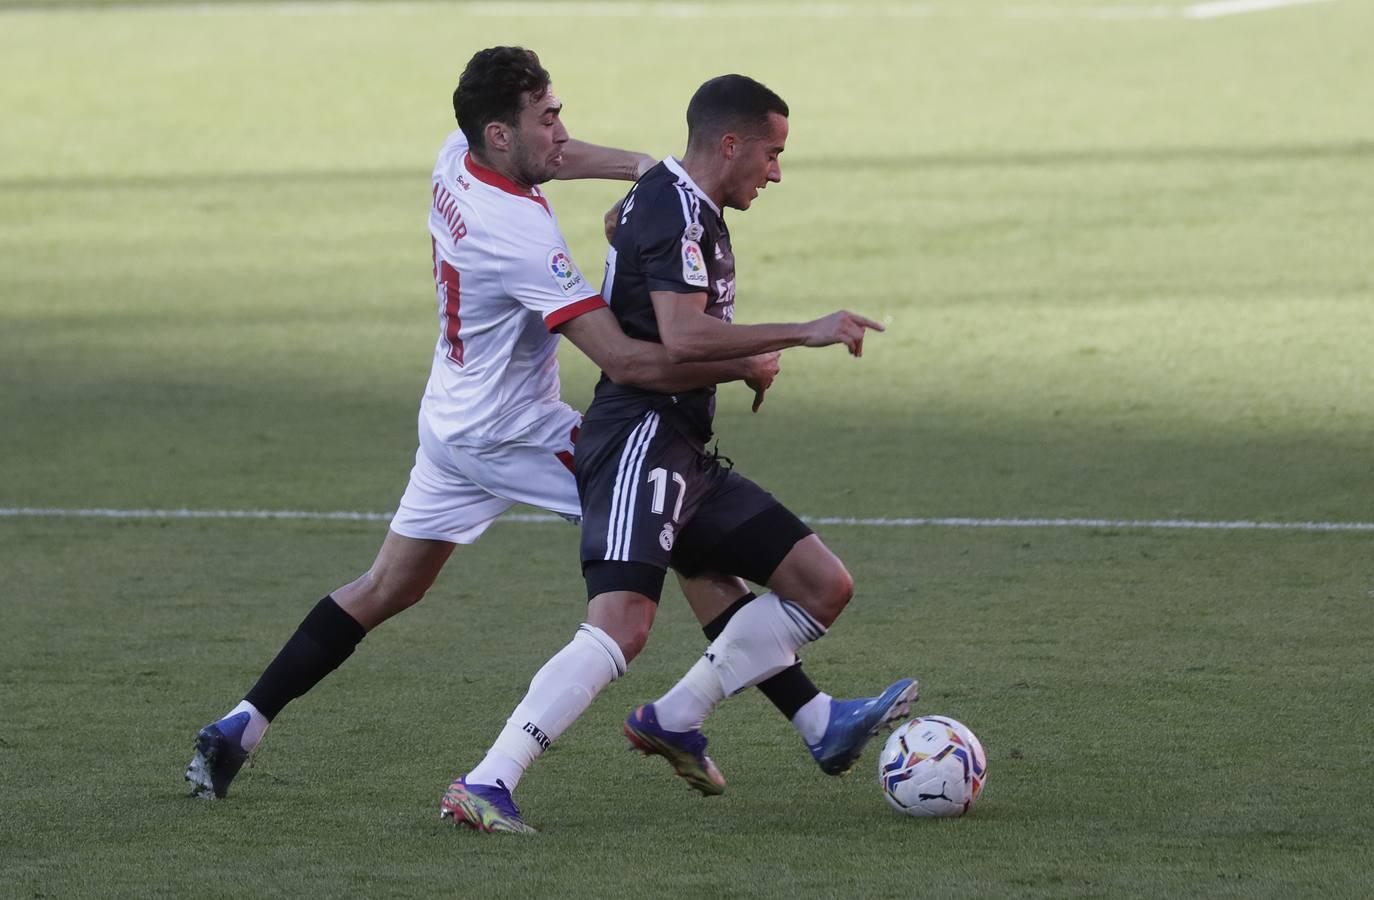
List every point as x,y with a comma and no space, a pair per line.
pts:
932,766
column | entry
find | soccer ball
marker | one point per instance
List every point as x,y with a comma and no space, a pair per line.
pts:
932,766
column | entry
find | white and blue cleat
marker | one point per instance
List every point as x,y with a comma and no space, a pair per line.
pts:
854,722
219,756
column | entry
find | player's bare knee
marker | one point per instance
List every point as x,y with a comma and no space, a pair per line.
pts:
816,580
825,592
404,571
384,594
632,643
630,637
626,616
834,592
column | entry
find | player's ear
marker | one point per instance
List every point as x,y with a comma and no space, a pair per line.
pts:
497,135
729,143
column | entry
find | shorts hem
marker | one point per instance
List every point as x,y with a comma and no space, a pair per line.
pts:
419,534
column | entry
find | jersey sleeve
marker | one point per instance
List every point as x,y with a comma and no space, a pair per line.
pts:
543,278
669,241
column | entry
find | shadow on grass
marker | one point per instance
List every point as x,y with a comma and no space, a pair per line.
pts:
1344,151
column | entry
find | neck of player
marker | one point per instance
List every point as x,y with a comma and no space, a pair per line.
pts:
709,175
500,163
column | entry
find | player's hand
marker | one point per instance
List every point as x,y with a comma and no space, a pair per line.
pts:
612,219
841,327
762,369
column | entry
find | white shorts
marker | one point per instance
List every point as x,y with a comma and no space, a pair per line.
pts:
455,492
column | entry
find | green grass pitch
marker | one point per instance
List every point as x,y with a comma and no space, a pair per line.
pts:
1126,257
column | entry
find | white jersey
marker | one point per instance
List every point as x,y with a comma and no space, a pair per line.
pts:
505,280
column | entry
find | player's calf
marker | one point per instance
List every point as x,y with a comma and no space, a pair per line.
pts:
404,570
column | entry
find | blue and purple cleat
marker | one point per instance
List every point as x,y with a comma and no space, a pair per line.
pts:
219,756
483,807
684,750
853,722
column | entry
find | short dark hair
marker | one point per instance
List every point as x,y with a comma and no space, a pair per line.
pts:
729,103
491,87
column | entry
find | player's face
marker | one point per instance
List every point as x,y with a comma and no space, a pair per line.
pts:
756,163
537,150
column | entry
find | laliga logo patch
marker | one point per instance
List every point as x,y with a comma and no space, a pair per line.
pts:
693,264
665,537
564,273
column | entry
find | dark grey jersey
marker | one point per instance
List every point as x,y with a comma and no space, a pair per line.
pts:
671,237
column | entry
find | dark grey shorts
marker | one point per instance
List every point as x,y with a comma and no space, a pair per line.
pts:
651,499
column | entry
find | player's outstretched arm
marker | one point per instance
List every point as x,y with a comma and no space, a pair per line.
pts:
583,160
692,336
646,365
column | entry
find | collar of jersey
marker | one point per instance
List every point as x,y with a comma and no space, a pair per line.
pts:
676,168
497,180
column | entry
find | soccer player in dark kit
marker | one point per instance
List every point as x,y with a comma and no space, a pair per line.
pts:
653,497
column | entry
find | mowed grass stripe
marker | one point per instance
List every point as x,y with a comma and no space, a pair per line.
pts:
612,9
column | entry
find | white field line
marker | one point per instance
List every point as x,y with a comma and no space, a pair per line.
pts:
590,9
1219,8
923,522
1109,13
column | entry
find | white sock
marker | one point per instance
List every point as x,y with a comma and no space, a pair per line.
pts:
812,718
257,725
686,704
558,694
758,642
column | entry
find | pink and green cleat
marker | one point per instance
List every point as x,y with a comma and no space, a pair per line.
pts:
483,807
684,750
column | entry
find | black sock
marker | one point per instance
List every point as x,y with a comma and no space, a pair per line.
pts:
790,689
325,638
713,628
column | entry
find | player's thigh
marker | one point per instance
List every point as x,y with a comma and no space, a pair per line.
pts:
535,468
740,529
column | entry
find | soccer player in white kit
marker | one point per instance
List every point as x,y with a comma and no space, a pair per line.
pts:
493,431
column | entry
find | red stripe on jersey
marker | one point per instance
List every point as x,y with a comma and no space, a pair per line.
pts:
450,284
497,180
572,311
